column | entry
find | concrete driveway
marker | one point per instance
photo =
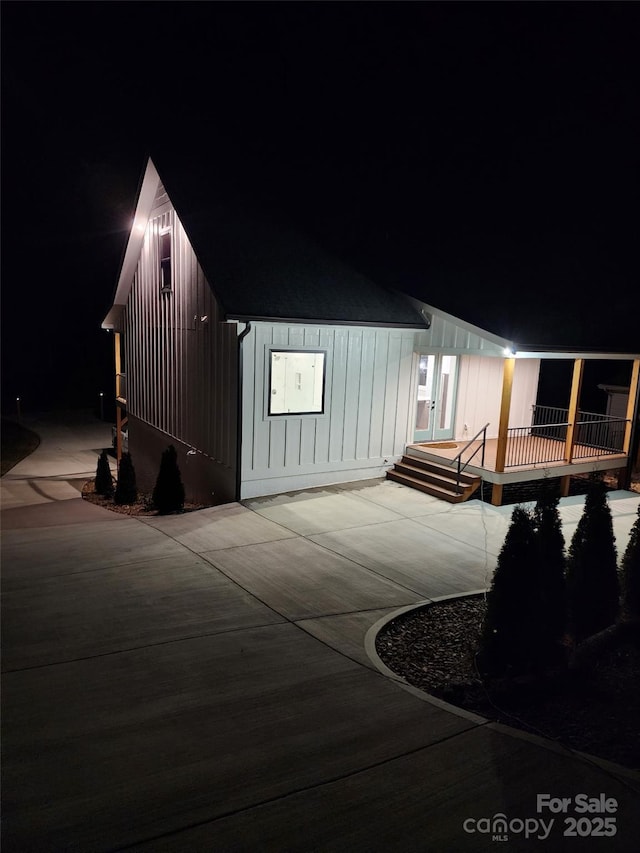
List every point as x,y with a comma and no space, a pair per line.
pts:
200,683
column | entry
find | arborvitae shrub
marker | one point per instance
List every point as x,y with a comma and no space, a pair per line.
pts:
592,574
103,481
168,493
551,566
509,640
631,574
126,487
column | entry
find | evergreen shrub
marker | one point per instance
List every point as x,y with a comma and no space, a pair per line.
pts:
550,583
126,487
168,493
104,481
631,574
510,634
593,590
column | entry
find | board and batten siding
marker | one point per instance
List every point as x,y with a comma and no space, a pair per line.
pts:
480,390
445,336
180,356
367,401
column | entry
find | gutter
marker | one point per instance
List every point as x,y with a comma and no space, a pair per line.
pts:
315,321
243,334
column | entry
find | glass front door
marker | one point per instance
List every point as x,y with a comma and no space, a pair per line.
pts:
435,401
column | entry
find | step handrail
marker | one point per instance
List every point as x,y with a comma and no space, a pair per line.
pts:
481,446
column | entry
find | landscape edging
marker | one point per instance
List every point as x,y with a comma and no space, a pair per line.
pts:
501,728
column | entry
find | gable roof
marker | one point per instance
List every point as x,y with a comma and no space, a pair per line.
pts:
260,268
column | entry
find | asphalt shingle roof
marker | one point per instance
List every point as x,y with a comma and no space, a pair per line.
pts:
260,267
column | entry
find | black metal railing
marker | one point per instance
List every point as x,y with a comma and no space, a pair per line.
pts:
549,422
526,447
545,440
479,449
598,432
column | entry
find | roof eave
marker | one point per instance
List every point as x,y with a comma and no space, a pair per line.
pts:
112,320
146,196
423,308
317,321
561,353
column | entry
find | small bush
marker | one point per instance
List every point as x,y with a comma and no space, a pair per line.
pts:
126,487
104,480
631,574
168,493
592,574
509,643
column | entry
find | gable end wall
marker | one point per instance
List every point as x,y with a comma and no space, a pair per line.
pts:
181,366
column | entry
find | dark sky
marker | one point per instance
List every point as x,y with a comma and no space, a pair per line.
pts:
482,156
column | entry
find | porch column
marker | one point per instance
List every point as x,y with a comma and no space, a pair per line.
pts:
574,402
631,406
632,415
503,426
118,360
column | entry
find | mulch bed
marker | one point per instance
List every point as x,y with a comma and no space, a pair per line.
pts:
142,507
596,711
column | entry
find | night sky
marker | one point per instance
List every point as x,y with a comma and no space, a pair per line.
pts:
483,157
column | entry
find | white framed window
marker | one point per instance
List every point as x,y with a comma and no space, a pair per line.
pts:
296,382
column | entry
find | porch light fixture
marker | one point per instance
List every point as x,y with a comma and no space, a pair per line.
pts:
509,352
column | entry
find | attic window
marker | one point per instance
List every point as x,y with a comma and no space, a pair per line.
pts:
165,260
296,382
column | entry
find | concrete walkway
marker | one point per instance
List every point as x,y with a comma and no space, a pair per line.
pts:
200,683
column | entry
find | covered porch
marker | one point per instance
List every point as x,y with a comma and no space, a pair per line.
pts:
549,440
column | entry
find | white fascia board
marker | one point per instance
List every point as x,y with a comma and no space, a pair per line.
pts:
112,319
574,354
144,205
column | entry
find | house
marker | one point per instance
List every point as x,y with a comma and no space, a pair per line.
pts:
617,399
272,367
617,406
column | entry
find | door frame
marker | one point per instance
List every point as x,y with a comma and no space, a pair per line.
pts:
434,433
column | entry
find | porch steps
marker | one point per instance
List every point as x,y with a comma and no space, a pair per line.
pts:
434,479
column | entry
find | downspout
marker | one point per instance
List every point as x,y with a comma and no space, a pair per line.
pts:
243,334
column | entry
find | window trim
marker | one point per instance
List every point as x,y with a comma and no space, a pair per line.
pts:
272,348
166,262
